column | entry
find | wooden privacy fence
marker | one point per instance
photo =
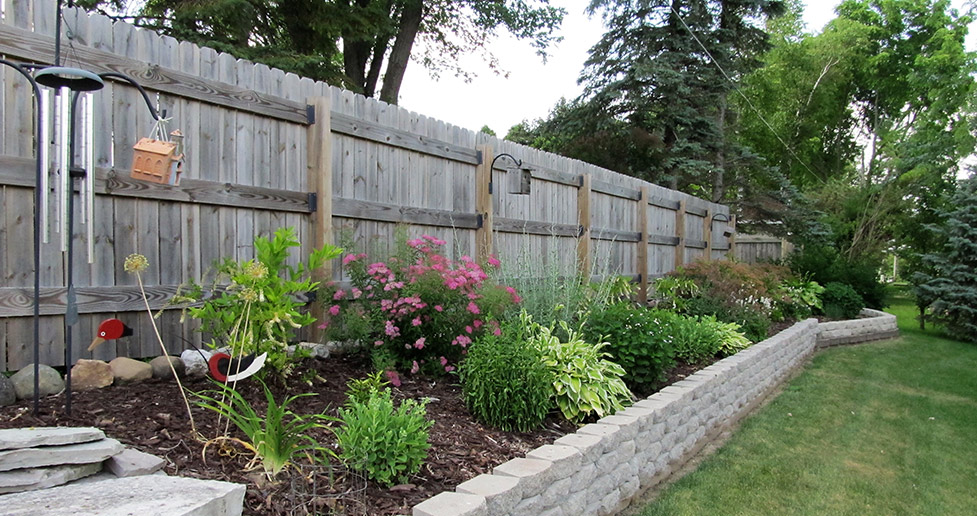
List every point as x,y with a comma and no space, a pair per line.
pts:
266,149
760,248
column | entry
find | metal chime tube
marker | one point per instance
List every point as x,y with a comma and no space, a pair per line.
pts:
43,141
63,144
88,184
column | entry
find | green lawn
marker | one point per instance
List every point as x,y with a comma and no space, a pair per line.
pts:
879,428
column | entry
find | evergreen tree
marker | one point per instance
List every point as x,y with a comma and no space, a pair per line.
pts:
950,284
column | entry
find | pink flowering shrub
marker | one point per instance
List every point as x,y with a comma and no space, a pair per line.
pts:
419,310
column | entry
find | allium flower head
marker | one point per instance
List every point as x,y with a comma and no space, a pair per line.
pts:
135,263
255,270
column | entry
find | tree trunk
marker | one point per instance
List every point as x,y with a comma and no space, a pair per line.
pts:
719,175
410,22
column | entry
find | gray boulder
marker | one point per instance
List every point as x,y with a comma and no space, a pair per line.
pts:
195,361
161,367
8,395
126,369
49,381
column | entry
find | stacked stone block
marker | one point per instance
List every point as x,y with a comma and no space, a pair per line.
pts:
872,325
601,467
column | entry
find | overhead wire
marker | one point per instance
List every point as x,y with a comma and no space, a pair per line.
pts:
740,91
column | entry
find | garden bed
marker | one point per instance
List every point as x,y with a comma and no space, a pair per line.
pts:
150,416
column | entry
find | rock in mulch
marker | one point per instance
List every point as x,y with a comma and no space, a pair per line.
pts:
8,395
91,374
131,463
49,381
126,369
161,367
195,361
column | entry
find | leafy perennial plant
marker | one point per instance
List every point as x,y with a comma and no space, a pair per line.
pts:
418,309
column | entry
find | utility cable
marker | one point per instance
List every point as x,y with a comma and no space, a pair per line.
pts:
740,91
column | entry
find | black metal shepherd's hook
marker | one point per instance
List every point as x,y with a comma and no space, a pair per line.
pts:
37,232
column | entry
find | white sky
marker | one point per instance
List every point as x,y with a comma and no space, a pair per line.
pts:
533,88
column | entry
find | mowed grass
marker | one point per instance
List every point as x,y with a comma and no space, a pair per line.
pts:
882,428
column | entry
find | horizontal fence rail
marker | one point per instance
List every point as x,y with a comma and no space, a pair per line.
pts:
267,149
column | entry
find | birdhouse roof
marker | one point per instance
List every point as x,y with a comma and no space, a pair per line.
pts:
155,146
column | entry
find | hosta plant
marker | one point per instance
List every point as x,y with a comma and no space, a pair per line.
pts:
585,381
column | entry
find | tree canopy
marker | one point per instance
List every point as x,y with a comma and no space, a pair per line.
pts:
363,45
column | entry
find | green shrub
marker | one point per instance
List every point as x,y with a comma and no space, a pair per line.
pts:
696,339
504,381
840,301
585,382
798,299
360,390
259,309
638,339
825,264
755,324
387,444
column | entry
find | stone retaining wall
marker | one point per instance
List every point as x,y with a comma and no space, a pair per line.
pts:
872,325
599,469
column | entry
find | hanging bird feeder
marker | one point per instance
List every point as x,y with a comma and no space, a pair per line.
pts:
159,160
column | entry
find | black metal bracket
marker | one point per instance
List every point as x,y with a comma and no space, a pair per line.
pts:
310,114
479,157
479,221
313,201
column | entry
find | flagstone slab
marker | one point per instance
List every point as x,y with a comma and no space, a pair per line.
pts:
150,495
20,480
15,438
81,453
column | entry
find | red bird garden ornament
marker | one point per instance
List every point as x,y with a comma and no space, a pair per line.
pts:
221,366
110,329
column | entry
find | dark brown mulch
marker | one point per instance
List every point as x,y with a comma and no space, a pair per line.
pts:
150,416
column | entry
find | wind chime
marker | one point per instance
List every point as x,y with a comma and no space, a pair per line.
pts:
65,123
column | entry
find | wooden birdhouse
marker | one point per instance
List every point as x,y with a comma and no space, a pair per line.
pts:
158,161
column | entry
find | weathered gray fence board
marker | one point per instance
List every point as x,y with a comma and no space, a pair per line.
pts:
246,174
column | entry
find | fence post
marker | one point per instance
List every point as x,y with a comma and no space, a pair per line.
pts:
707,233
643,245
319,163
483,204
583,221
680,233
732,238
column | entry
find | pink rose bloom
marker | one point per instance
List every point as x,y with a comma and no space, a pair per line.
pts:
391,330
357,293
449,368
438,308
349,258
414,368
416,321
378,343
477,323
339,295
444,361
419,343
473,308
334,309
468,329
393,377
497,332
510,290
324,325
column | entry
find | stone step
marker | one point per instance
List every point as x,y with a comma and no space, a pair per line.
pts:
81,453
20,480
150,495
132,462
16,438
